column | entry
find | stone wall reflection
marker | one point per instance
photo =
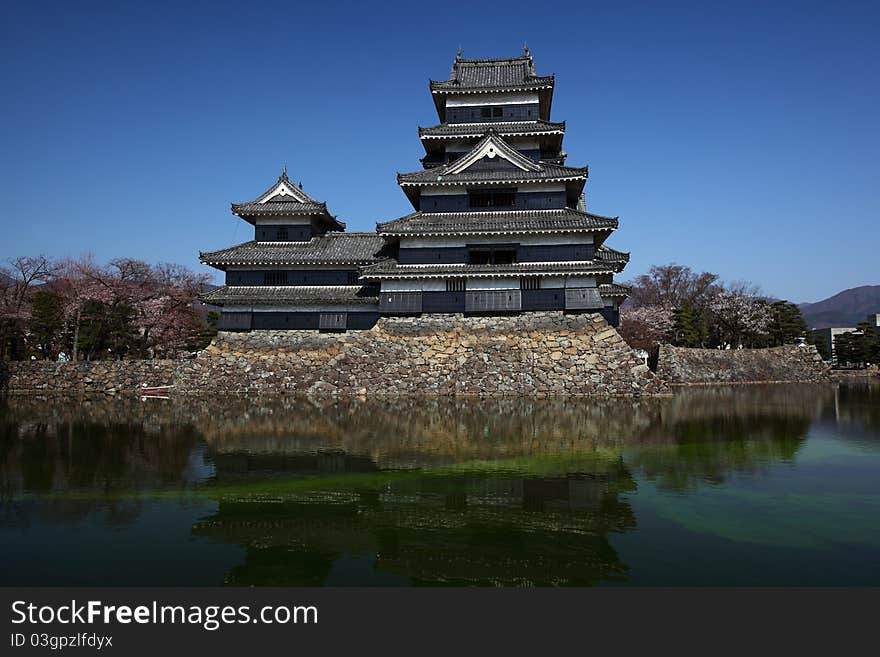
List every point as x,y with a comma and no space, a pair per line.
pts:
502,491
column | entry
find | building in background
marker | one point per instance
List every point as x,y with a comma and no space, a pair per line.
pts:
499,225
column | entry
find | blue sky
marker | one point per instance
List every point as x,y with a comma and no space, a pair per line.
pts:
738,138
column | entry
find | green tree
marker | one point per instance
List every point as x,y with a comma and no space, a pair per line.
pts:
868,344
46,324
106,330
209,330
845,349
689,328
786,323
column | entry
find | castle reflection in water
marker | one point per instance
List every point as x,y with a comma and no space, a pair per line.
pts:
438,491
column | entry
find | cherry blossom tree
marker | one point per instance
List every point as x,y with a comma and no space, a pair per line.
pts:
739,318
645,327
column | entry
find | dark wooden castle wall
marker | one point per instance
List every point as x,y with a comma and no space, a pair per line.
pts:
524,253
522,201
476,114
289,233
293,277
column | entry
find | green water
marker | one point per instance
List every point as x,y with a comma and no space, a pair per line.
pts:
749,485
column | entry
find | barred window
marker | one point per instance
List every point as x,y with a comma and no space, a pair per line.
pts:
275,278
456,284
531,283
282,234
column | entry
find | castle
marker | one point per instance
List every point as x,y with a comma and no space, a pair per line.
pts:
499,225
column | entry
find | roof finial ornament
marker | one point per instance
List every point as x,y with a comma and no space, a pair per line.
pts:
300,184
458,54
526,51
284,171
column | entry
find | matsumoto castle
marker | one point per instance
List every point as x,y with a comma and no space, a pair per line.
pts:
499,225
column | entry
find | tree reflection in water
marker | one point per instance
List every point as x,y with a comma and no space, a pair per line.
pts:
511,491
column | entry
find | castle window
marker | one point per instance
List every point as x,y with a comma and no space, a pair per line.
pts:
282,234
530,283
497,111
498,198
275,277
486,112
492,256
456,284
352,278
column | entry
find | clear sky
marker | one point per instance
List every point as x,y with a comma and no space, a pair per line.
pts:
738,138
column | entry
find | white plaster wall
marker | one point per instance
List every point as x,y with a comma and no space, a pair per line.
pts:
430,285
580,281
492,284
466,100
289,220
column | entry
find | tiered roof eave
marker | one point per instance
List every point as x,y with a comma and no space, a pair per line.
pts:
297,295
446,131
523,171
606,261
486,76
503,222
333,248
295,202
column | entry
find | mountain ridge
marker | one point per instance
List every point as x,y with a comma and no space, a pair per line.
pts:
844,309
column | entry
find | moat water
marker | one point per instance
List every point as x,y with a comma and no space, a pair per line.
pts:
748,485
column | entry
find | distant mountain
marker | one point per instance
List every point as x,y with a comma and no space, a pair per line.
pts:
844,309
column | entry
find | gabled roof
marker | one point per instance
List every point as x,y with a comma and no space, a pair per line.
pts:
563,220
492,146
334,248
606,261
503,128
489,147
510,73
285,198
300,295
613,290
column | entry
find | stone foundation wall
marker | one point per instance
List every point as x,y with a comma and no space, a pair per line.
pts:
532,353
103,376
684,366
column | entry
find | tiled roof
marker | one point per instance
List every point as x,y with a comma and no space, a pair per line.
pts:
613,290
505,129
547,171
492,222
516,168
273,207
607,261
285,198
306,295
328,249
489,74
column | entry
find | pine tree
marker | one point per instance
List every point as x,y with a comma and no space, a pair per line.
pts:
868,344
46,322
689,328
786,323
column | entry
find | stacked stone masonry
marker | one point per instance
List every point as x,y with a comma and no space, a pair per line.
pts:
531,354
535,354
789,364
103,376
